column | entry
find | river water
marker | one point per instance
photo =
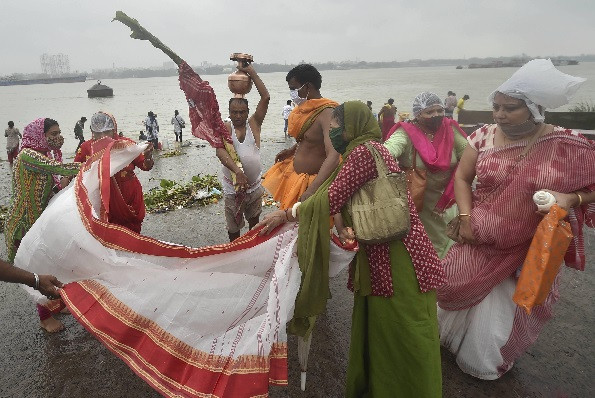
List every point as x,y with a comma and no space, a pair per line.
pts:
73,363
133,98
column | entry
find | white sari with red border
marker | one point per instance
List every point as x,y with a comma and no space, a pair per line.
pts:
192,322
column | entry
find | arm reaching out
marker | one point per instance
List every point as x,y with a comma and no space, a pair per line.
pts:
47,285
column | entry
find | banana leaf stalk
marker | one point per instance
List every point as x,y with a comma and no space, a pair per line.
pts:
140,33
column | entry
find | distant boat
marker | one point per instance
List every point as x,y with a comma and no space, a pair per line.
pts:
11,81
100,90
459,67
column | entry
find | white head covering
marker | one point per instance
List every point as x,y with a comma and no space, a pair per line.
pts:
538,82
102,122
425,100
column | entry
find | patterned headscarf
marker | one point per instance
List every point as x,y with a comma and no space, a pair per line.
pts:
425,100
34,138
102,122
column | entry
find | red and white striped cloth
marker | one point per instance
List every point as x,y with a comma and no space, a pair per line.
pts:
504,221
203,108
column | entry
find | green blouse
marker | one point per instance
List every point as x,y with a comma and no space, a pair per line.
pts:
399,145
32,185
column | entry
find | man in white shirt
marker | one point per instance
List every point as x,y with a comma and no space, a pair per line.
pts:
179,124
286,111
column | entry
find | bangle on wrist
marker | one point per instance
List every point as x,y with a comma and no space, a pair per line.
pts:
36,285
294,209
464,215
580,199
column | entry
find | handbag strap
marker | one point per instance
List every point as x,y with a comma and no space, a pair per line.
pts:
380,165
413,157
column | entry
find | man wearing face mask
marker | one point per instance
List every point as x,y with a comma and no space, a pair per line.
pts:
301,169
436,143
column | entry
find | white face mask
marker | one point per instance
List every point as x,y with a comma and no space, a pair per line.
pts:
295,97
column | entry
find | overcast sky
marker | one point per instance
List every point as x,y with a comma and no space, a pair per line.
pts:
290,31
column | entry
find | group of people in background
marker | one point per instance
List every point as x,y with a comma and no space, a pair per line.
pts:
410,294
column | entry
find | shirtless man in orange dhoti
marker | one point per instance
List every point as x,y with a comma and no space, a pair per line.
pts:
301,169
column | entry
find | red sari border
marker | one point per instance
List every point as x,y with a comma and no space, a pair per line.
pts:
121,238
181,370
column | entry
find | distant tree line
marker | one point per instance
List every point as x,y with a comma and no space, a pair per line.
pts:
344,65
124,73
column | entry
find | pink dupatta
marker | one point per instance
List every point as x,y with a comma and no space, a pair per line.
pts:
436,154
34,138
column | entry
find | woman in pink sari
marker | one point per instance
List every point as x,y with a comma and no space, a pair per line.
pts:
511,159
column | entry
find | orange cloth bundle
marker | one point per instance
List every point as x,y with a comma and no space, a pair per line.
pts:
543,261
285,184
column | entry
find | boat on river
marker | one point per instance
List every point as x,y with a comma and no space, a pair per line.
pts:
100,90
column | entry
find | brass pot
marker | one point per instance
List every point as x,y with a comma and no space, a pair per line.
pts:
239,82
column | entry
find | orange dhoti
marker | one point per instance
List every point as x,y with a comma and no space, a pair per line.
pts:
285,184
281,180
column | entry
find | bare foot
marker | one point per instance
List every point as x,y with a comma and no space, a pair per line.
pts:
51,325
65,310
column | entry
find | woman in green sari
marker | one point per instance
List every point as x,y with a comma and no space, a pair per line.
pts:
394,349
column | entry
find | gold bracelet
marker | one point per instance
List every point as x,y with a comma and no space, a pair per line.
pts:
580,199
464,215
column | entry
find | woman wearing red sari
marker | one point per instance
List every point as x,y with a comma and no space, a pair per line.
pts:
126,205
511,159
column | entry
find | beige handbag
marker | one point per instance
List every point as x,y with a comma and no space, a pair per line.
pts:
379,209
